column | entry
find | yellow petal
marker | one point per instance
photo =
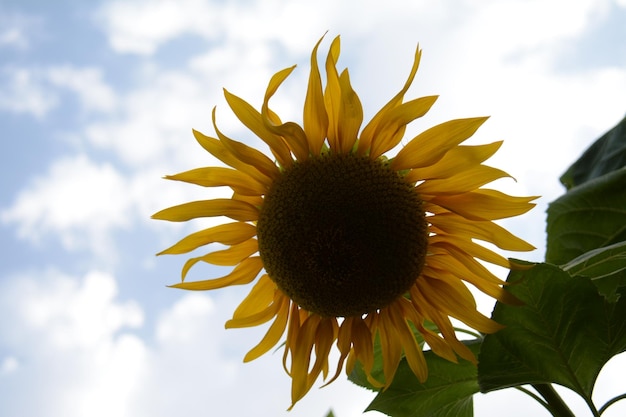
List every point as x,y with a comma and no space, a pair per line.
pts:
301,357
437,344
247,154
444,325
471,271
471,248
431,145
227,234
218,150
484,230
458,159
484,204
363,344
412,351
274,333
253,200
390,345
232,255
258,317
315,118
293,329
332,93
258,299
463,182
350,115
460,264
369,132
293,134
235,209
324,338
239,181
392,125
344,343
254,121
244,273
227,257
451,300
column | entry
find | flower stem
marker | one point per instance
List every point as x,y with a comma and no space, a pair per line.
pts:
557,406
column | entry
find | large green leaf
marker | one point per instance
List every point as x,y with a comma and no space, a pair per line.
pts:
606,267
447,392
564,333
590,216
607,154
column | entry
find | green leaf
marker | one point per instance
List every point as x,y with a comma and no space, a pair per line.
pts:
606,267
564,333
590,216
447,392
607,154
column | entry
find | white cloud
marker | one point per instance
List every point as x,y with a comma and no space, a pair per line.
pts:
9,365
78,199
87,84
17,30
72,335
198,365
13,37
22,91
37,91
66,314
156,118
139,27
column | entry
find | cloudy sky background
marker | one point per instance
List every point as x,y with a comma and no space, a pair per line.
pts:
97,103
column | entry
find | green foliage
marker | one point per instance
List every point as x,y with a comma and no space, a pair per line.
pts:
447,392
589,216
564,333
607,154
606,267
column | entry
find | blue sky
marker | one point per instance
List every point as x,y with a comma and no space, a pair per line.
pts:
97,103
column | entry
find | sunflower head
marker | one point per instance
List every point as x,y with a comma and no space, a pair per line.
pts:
346,246
342,235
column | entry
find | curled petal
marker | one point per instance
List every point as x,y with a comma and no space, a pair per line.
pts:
247,155
431,145
239,181
454,161
315,120
484,204
464,182
274,333
369,131
236,210
350,114
332,94
244,273
227,234
293,134
260,296
486,230
218,150
254,121
227,257
390,130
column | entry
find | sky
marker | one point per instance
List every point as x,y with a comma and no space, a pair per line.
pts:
97,103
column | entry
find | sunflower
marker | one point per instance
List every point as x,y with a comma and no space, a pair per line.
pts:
351,247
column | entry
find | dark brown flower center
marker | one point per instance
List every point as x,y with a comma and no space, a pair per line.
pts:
342,235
